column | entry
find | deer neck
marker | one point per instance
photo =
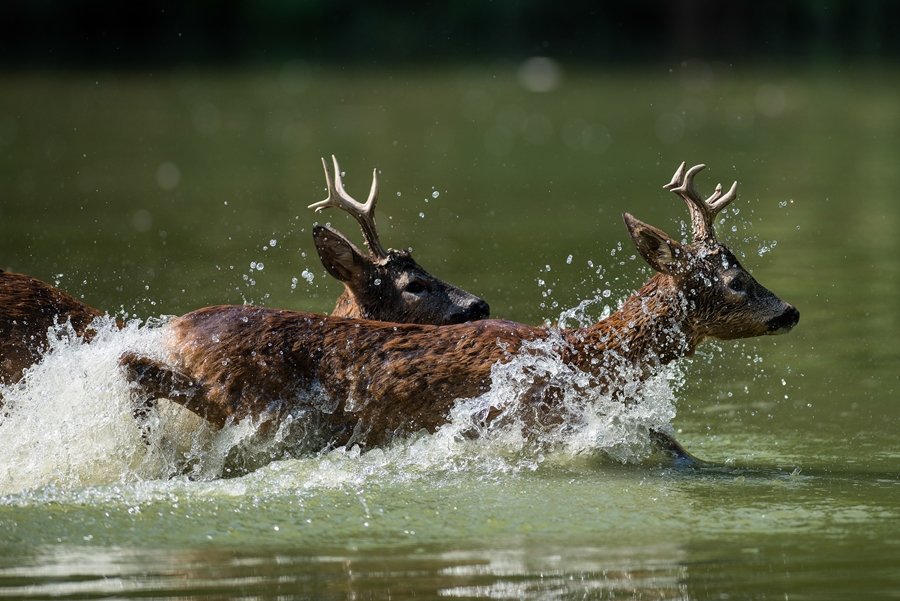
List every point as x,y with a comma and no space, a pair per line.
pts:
651,328
346,305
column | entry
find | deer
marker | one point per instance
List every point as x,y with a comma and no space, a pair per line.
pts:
29,309
384,285
367,383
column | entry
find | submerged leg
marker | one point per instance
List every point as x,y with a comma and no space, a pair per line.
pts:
154,380
668,444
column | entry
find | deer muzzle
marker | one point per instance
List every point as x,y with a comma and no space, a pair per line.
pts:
784,322
475,310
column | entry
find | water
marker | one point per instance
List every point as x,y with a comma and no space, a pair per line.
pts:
799,499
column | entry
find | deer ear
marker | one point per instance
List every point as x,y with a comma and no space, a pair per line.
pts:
339,256
658,249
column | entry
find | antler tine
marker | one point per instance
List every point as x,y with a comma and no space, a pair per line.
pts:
677,178
703,212
363,213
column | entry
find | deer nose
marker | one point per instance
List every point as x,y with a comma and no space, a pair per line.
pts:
784,322
475,310
478,310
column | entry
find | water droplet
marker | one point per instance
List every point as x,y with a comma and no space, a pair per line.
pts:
435,194
421,214
378,281
273,242
398,194
606,293
569,260
259,266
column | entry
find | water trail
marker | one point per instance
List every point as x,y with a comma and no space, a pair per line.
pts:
69,423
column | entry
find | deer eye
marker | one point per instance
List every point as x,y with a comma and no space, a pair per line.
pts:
415,288
737,285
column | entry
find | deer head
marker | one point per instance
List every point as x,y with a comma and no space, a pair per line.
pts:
384,285
723,300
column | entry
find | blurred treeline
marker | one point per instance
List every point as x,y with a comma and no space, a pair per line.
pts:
66,34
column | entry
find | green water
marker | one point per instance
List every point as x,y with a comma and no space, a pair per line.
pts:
801,498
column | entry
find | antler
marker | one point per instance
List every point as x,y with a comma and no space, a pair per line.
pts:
703,212
363,213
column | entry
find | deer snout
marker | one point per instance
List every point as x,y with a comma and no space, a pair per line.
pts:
475,310
784,322
480,310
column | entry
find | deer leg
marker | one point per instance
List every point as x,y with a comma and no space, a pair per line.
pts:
668,444
154,380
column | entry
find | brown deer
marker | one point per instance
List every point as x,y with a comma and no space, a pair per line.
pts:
384,285
365,382
29,308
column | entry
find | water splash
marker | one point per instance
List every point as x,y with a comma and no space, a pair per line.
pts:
68,421
585,419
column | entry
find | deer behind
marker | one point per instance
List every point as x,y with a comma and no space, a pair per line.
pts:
365,382
384,285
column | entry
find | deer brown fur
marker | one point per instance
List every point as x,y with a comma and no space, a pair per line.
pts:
30,308
368,382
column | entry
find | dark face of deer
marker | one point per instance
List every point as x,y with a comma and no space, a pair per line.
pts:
728,302
394,288
722,300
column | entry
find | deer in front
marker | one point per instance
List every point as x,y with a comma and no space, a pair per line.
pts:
366,382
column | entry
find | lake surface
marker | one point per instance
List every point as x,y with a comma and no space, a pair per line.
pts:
152,194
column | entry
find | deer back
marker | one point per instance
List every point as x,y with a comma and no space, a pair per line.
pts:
368,380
